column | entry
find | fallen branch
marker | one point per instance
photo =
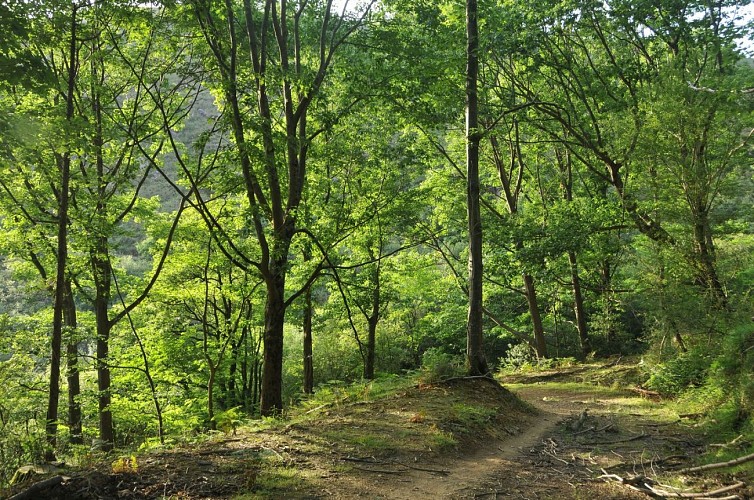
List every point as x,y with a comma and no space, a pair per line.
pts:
588,429
718,465
647,486
35,489
317,408
727,445
368,460
626,440
645,393
614,363
372,460
379,471
584,431
423,469
706,494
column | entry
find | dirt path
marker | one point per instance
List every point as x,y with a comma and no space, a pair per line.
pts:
552,457
387,449
463,476
509,468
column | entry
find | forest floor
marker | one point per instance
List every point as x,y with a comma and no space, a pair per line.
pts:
547,435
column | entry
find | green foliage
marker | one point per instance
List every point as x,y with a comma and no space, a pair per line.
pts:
687,370
519,357
438,365
229,420
730,373
610,165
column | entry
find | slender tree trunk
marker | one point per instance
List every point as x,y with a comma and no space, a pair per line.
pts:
253,384
245,389
606,287
371,347
64,164
566,183
578,306
72,375
231,395
102,271
211,396
536,318
705,252
477,364
372,321
308,350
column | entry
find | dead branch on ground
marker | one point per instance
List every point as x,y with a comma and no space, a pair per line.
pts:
718,465
654,489
625,440
374,461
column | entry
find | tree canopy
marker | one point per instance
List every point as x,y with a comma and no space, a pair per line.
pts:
214,207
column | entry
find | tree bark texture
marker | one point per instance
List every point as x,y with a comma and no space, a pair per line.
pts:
477,364
72,368
271,397
102,271
536,318
578,306
308,350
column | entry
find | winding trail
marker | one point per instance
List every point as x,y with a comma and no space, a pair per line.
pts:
519,467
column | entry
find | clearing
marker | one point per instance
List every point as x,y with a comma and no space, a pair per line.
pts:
461,438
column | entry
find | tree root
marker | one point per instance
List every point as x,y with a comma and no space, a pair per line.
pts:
35,489
374,461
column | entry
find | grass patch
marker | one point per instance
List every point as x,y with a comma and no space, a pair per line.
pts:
440,440
366,442
472,415
275,482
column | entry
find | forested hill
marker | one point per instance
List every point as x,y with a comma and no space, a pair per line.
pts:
212,210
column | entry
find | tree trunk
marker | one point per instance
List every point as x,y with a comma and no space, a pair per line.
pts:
231,395
477,364
705,252
211,397
536,318
578,306
566,183
308,350
64,164
371,347
72,369
372,321
102,271
606,293
271,397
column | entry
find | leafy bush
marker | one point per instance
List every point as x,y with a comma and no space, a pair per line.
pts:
438,365
731,374
681,373
519,356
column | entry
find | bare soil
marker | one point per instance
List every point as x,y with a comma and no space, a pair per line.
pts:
465,438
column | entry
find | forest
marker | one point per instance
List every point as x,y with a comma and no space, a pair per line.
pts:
213,210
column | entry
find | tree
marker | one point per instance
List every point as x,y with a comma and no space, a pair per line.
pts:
590,104
64,165
285,48
477,365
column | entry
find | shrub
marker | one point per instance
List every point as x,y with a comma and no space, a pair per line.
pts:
680,373
438,365
519,356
